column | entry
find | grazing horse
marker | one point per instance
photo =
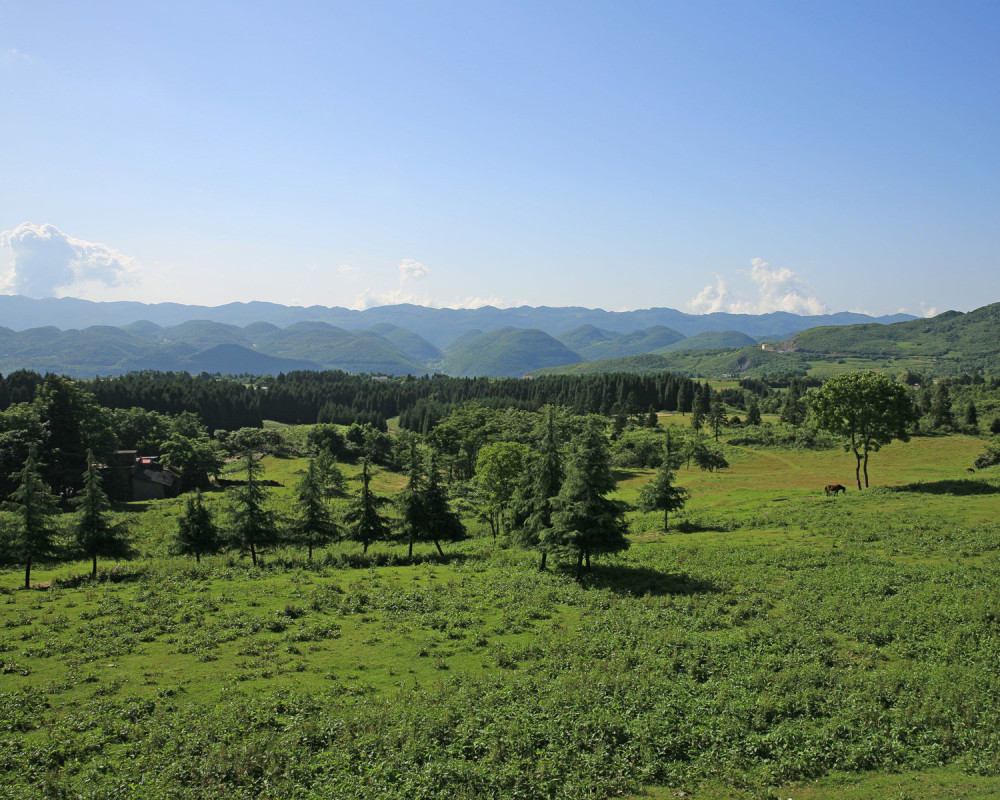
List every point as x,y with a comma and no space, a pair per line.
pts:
969,469
834,488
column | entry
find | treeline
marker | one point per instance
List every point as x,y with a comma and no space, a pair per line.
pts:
341,398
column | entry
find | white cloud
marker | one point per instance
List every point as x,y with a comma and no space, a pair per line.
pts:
928,311
13,54
411,268
776,289
45,262
344,269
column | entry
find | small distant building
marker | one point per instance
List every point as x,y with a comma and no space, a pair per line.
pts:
130,476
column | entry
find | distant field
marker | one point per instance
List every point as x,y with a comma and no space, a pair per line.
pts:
775,643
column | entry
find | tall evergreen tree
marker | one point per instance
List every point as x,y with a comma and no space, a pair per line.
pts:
197,534
96,534
34,537
543,480
253,526
941,407
364,523
314,524
586,522
753,411
442,523
410,502
717,415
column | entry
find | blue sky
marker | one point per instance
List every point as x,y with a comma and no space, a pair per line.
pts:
749,156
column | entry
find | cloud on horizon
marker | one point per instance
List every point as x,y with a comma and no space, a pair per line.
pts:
777,289
45,262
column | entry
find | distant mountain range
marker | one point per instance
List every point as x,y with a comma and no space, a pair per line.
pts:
83,338
440,326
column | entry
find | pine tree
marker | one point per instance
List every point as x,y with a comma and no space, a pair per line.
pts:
442,523
34,538
586,522
543,480
753,411
96,534
412,518
197,532
941,407
253,526
660,494
971,415
717,415
364,523
314,524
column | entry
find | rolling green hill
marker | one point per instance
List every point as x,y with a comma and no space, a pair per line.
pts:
630,344
710,340
949,343
742,362
508,352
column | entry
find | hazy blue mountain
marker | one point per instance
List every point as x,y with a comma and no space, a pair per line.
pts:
439,326
508,352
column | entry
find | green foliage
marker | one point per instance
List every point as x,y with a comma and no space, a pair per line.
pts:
585,522
499,468
252,526
36,532
867,409
364,524
194,459
97,534
660,494
197,534
314,525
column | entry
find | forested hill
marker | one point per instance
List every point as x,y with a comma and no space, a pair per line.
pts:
439,326
949,343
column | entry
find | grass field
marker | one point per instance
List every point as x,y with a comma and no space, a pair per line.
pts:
774,643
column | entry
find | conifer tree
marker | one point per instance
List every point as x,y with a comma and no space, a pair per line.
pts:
753,411
197,532
364,523
661,494
410,502
34,537
543,480
442,523
717,415
328,472
253,526
314,524
586,522
96,535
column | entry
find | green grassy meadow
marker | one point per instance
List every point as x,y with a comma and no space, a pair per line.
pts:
774,643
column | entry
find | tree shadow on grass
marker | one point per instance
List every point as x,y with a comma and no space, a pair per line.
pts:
640,581
961,487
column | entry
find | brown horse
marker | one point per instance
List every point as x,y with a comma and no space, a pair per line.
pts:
834,488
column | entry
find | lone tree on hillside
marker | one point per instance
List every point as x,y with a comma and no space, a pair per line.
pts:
868,409
660,494
36,508
96,534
